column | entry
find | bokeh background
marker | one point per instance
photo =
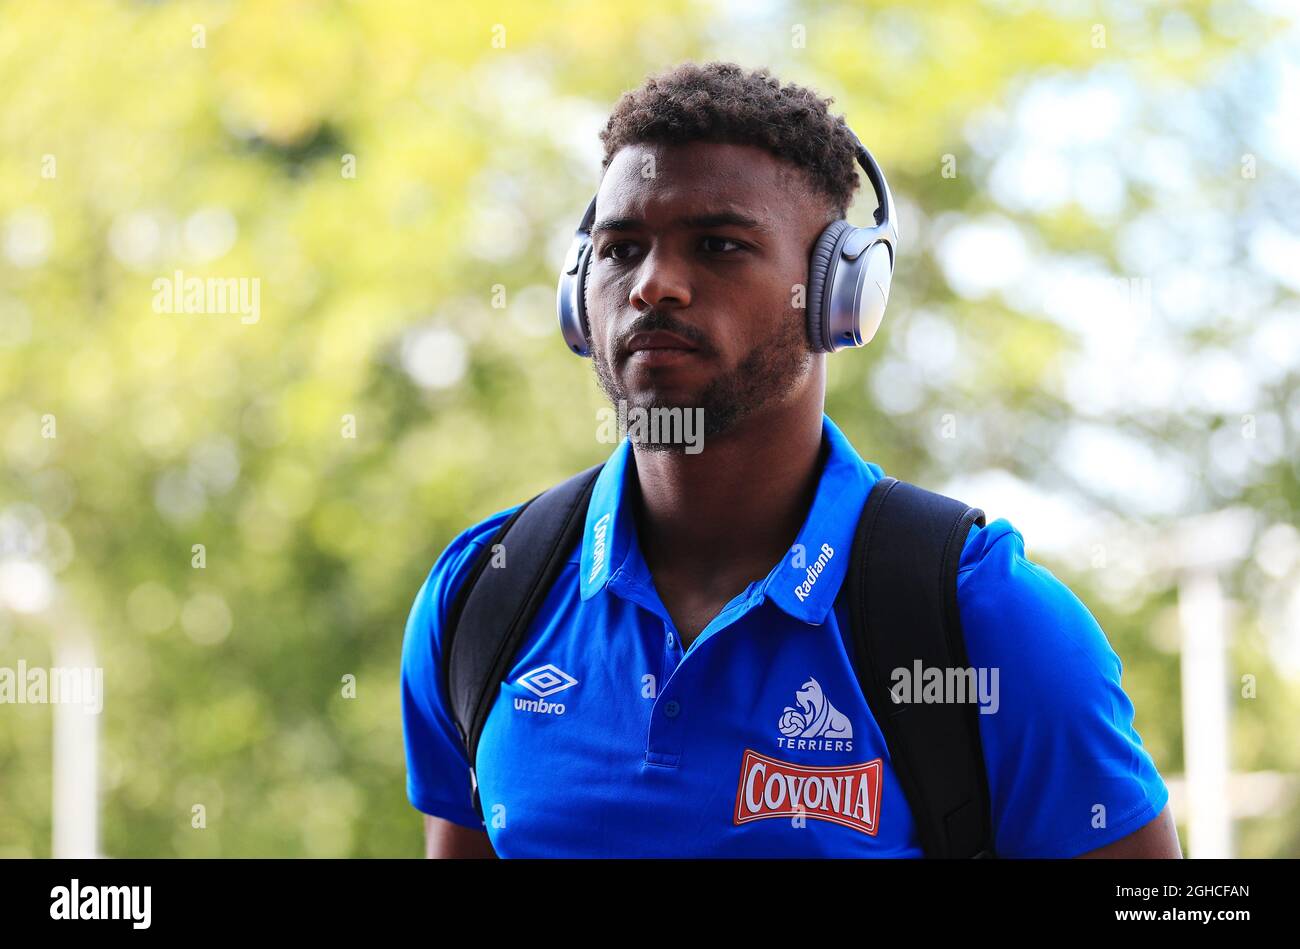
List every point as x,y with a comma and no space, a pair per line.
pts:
1094,333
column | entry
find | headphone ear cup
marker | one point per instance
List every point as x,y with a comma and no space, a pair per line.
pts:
875,290
819,265
571,299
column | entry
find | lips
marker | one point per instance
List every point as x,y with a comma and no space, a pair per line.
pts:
659,340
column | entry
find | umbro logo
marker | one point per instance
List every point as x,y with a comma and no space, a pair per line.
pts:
543,681
546,680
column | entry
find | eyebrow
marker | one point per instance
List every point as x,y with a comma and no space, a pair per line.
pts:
696,221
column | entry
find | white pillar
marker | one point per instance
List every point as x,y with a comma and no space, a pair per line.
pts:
1205,714
76,764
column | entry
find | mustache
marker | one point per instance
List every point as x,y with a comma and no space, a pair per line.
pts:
661,320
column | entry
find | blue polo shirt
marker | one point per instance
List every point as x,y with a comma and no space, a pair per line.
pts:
609,740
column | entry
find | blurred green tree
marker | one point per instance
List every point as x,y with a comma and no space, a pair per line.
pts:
401,181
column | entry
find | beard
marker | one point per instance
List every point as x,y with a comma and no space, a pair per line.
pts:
766,374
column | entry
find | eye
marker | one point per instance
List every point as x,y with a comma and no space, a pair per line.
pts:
723,240
611,248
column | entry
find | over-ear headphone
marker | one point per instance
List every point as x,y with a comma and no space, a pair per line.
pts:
848,275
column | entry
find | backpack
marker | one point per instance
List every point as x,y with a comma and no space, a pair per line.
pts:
902,589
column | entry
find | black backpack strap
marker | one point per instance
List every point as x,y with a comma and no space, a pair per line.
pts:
903,603
492,612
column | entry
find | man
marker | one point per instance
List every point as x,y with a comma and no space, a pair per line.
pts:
682,633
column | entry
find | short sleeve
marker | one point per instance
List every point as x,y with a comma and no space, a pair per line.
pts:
437,770
1067,771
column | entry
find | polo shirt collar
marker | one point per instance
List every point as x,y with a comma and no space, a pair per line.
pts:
609,528
808,578
803,584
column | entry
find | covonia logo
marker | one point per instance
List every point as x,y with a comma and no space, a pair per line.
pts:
598,531
848,794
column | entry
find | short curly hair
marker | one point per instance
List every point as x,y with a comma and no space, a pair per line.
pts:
722,102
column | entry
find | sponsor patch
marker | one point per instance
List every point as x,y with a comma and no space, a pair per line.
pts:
844,794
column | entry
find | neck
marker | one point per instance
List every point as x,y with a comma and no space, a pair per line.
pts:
736,506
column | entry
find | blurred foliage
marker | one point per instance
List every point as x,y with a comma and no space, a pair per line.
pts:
218,139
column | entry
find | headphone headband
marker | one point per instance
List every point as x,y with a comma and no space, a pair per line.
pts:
884,215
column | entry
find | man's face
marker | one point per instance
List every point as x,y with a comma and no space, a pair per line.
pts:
697,251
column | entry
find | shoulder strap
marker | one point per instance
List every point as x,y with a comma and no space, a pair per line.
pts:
491,613
903,604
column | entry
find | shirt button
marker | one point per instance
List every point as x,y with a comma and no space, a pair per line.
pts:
671,709
670,639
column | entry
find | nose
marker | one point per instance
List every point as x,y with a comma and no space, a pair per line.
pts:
662,282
